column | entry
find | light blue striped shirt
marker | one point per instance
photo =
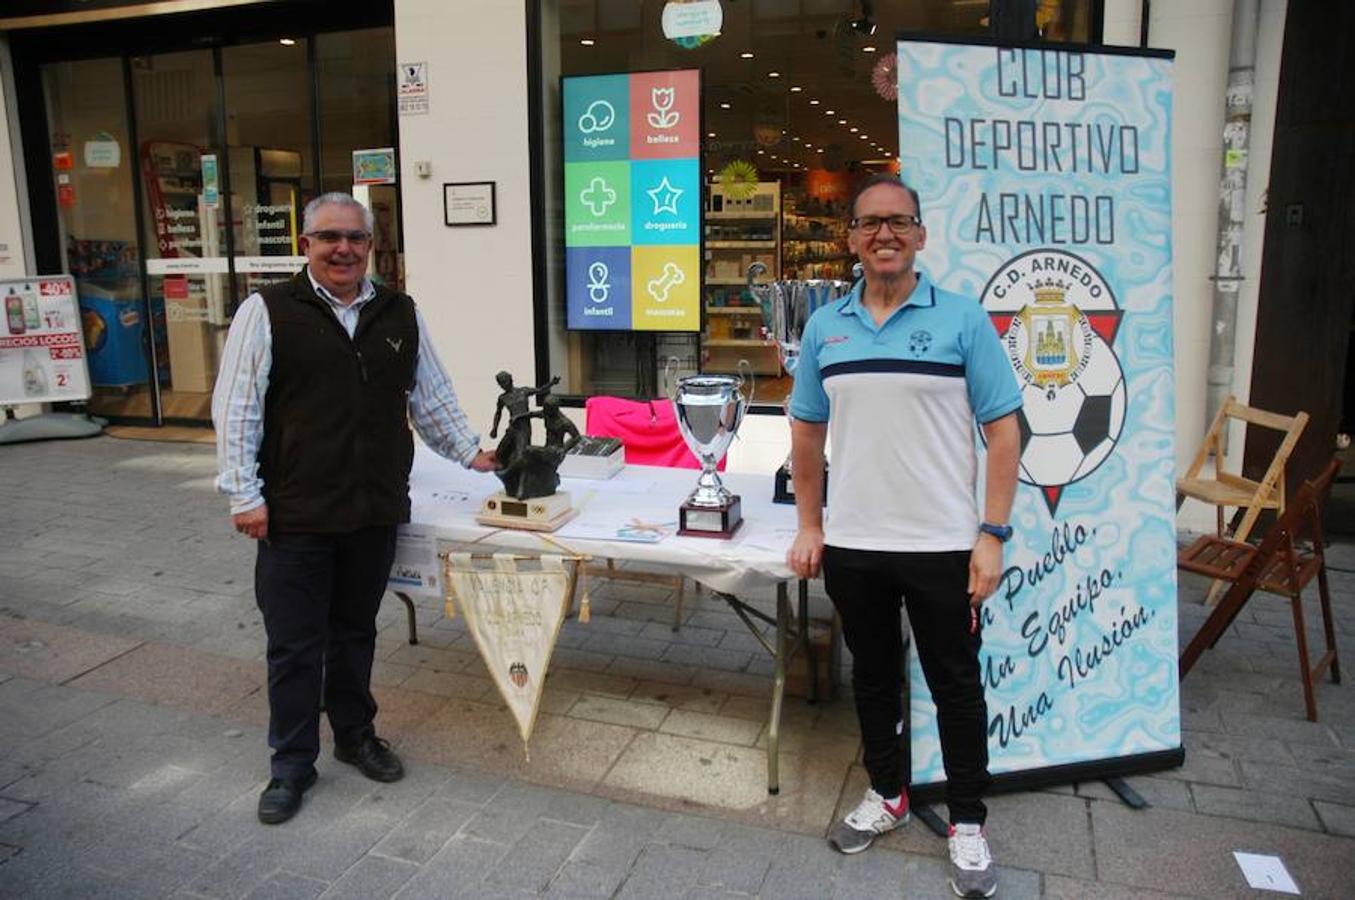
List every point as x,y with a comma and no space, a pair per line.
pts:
242,383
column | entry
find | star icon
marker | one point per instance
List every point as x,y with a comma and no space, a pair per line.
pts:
665,197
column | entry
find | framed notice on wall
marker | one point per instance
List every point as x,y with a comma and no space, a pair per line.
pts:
633,201
42,348
469,203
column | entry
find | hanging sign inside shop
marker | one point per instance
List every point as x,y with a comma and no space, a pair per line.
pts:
103,151
211,180
42,348
1045,179
63,161
633,201
412,92
691,23
374,166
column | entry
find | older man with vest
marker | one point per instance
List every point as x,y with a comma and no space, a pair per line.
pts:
321,377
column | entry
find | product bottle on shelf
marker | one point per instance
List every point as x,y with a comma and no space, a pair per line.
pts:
14,312
30,301
35,375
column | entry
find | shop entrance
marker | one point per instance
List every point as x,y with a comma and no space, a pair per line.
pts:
176,182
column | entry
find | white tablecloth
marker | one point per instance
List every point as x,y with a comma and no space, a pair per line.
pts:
447,497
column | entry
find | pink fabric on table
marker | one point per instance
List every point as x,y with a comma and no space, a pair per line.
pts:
647,428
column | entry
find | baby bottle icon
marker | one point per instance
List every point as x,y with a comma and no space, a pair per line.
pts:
598,287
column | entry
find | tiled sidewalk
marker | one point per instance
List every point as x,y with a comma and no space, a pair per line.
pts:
131,708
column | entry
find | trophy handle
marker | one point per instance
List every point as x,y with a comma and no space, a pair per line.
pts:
745,365
669,380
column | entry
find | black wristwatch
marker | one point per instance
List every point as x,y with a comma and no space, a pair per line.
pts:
1002,532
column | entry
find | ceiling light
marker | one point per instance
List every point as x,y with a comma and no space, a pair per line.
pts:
587,42
773,74
869,48
813,103
747,54
820,150
863,137
710,134
287,42
724,106
842,121
853,129
795,89
829,112
761,152
866,24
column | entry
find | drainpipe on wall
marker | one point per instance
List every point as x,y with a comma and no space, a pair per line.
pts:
1227,276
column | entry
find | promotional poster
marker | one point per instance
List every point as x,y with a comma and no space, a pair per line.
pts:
1045,185
633,201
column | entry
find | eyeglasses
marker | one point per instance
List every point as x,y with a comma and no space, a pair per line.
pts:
333,237
899,224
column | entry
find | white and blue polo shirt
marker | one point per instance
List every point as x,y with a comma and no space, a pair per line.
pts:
901,400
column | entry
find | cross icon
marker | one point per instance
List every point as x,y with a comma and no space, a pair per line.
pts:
597,196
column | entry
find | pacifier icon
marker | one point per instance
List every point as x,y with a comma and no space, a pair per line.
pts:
598,288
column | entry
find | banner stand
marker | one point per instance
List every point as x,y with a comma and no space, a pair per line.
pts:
49,426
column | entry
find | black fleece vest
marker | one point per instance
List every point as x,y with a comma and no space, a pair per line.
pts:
337,448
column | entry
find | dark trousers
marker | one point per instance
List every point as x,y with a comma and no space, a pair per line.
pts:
319,595
866,587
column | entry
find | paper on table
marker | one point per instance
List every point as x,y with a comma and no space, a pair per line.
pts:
632,529
609,486
1266,873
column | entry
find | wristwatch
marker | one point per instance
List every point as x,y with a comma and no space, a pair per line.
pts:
1002,532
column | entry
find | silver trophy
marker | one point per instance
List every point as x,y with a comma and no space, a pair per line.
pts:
786,308
709,409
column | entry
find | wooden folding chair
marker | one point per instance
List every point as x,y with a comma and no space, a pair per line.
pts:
1281,564
1227,489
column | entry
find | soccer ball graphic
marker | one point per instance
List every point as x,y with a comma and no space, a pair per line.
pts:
1068,431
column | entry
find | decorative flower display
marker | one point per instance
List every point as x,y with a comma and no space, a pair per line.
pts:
885,76
739,179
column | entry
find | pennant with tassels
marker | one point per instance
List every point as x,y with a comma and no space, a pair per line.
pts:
514,607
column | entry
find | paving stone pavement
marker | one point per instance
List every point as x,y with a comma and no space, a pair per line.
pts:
132,741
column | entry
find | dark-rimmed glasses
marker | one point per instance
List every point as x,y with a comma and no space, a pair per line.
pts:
333,237
899,224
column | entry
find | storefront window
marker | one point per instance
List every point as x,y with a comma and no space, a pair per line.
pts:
797,106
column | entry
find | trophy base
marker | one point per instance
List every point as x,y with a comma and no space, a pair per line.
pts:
784,489
710,521
537,514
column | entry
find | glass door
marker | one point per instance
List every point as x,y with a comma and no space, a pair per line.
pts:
92,172
270,132
184,215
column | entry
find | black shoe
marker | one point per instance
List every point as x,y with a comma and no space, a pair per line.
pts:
282,798
373,757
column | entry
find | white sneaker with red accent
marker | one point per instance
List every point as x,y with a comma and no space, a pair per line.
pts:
873,816
971,863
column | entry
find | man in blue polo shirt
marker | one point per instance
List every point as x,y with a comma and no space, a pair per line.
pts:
899,372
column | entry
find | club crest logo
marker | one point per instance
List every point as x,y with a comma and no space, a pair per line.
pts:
1058,320
919,341
517,673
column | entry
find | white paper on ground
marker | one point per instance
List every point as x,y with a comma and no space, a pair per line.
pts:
1266,873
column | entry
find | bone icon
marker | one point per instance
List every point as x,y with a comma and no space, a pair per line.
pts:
672,276
663,115
598,287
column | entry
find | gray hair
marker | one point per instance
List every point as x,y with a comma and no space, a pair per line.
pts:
334,198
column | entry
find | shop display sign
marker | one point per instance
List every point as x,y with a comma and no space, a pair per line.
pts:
633,201
211,180
103,151
374,166
42,348
1046,186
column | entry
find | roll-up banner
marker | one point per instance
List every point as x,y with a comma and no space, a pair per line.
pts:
1045,180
